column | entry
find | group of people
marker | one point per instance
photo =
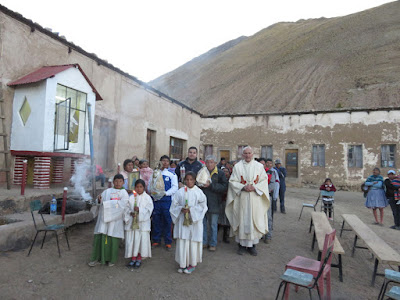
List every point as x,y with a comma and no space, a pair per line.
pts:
237,199
380,193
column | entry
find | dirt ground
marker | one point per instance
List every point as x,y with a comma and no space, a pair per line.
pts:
222,275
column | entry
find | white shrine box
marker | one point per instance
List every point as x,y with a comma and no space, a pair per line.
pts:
50,119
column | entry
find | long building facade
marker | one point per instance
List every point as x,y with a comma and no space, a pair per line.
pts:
342,145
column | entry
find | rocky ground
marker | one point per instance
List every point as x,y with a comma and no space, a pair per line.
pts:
222,275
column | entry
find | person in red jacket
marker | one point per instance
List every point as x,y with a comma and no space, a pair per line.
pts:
327,189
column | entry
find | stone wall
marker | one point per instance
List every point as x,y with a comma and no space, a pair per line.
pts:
336,130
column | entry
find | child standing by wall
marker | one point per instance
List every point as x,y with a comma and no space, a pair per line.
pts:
109,228
190,203
327,190
145,173
137,237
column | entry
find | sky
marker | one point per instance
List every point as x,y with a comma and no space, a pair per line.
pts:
152,37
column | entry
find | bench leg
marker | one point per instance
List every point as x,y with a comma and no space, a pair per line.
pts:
354,245
340,268
341,230
375,271
311,224
319,255
313,241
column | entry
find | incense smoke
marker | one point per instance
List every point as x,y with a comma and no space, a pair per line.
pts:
80,180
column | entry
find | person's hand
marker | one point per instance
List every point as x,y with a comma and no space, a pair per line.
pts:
129,191
180,184
328,189
132,214
99,199
185,210
206,185
136,209
251,188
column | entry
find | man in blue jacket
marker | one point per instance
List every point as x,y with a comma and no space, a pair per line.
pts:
162,221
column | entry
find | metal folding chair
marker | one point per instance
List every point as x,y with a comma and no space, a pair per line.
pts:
36,205
303,279
310,205
325,206
390,276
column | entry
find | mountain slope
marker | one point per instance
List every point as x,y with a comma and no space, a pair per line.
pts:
316,64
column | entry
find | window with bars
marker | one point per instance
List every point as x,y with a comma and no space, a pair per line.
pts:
266,151
355,157
176,148
318,156
388,156
208,150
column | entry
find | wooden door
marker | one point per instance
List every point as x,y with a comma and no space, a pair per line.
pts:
292,162
225,154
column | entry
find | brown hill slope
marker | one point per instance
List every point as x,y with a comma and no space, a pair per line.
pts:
316,64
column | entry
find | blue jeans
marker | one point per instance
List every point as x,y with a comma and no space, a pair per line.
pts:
210,236
162,222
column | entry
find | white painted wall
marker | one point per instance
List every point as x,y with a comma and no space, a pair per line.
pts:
31,136
38,133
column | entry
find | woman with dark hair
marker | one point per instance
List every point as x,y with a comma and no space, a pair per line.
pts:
376,198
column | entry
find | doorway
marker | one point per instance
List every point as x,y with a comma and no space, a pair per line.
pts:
292,162
150,145
225,154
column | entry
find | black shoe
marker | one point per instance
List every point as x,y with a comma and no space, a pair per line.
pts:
252,250
393,227
283,211
138,264
241,250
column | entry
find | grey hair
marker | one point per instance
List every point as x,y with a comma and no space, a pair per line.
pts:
211,157
248,147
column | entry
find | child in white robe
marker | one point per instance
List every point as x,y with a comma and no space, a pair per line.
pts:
109,229
137,241
189,238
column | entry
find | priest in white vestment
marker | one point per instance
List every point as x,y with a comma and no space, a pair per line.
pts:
248,202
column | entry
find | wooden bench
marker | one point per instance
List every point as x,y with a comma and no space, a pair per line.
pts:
321,228
380,249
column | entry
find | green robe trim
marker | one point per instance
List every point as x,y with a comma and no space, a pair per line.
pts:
105,248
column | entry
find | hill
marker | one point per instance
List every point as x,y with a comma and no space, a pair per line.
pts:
316,64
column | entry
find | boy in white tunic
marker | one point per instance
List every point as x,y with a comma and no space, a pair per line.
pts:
189,201
109,228
137,233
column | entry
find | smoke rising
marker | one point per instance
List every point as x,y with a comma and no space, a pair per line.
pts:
80,180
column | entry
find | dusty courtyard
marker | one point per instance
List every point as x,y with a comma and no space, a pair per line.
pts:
222,275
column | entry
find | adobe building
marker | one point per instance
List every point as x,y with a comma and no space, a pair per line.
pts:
344,145
40,70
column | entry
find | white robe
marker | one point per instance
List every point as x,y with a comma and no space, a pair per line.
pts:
247,211
189,244
113,228
138,240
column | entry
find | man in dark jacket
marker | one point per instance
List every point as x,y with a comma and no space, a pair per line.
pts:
282,183
214,192
390,190
190,164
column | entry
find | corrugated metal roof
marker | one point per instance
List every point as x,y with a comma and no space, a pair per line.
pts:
48,72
